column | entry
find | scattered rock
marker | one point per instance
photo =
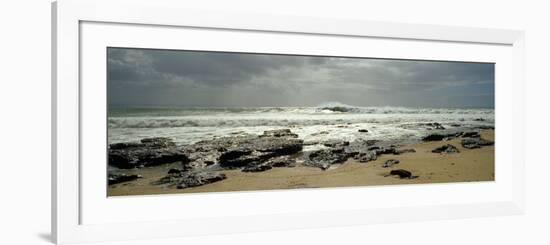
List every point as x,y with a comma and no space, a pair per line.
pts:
363,131
119,178
473,143
447,149
403,174
390,163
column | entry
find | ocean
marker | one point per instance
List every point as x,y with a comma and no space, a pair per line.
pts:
326,122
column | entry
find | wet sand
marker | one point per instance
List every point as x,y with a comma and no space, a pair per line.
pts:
467,166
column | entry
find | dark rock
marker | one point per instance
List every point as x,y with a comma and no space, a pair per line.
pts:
366,156
479,120
439,137
359,146
447,149
150,152
174,171
119,178
126,145
198,179
145,156
435,125
472,134
403,174
257,168
338,109
279,133
363,131
319,133
190,179
401,151
473,143
243,151
385,150
455,125
485,127
390,163
326,157
158,142
233,154
283,161
278,146
336,143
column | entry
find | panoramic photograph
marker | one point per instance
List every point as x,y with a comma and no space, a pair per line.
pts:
182,121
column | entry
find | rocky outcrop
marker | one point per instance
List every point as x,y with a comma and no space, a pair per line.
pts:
149,152
119,178
250,153
326,157
473,143
363,131
243,151
446,149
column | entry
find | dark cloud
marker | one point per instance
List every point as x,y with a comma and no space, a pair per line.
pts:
144,77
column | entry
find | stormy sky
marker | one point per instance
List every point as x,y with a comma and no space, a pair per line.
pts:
144,77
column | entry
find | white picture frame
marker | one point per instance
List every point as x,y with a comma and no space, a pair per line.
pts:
68,17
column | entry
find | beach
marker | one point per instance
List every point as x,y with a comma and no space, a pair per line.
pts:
467,165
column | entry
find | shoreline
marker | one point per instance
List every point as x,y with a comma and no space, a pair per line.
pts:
469,165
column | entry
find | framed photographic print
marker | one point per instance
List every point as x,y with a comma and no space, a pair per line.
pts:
174,122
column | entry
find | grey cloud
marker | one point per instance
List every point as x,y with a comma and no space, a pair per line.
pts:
188,78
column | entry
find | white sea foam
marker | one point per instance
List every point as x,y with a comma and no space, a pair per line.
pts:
325,122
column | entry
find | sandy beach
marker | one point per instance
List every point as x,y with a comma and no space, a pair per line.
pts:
466,166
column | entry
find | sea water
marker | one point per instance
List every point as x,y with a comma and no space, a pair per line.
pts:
330,121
